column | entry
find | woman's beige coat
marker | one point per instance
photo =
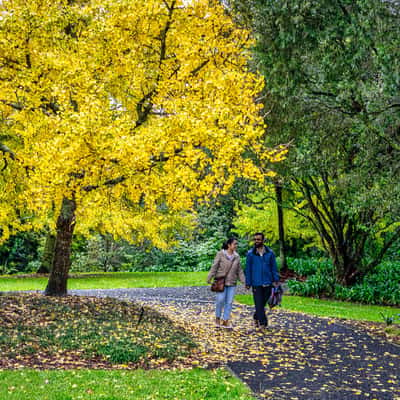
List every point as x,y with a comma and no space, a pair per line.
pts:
221,266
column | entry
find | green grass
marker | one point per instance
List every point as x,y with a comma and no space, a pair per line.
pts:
329,308
121,385
112,280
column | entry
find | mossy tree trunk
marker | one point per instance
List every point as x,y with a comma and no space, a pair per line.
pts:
57,284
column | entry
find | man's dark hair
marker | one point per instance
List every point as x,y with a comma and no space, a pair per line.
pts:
259,234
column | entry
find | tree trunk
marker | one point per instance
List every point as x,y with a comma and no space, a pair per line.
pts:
281,228
57,284
343,238
347,270
107,251
347,258
48,254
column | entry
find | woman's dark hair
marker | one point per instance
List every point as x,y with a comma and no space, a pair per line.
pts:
228,242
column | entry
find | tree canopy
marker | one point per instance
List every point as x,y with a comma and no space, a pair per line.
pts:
332,89
122,113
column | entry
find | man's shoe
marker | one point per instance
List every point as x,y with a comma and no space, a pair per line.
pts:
217,322
256,321
263,327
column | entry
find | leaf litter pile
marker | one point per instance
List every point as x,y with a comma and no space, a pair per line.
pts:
86,332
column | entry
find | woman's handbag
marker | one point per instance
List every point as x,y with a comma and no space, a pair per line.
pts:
218,285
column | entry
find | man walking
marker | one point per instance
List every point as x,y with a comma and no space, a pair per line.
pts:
261,274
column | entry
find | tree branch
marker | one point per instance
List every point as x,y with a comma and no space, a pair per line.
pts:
15,106
144,106
6,150
199,68
319,218
395,237
326,214
123,178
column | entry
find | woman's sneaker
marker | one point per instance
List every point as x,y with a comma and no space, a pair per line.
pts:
227,324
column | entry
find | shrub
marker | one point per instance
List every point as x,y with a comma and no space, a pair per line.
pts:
317,285
186,256
320,282
303,266
18,252
381,286
375,288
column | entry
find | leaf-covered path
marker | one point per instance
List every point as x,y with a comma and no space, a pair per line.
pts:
298,357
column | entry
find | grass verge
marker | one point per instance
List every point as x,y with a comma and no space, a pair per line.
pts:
121,385
112,280
330,308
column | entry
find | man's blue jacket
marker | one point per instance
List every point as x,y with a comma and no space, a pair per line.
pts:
261,270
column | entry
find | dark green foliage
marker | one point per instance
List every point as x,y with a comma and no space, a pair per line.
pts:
303,266
194,253
19,253
332,91
100,253
381,286
320,277
393,254
186,256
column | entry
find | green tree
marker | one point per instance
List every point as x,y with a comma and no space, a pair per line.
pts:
332,72
259,212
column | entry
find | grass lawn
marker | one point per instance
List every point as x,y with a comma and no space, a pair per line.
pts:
112,280
121,385
330,308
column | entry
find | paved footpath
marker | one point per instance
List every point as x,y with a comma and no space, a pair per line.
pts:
298,357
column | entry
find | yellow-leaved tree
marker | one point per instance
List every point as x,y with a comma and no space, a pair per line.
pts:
120,114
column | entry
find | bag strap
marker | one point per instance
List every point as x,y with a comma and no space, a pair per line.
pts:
229,270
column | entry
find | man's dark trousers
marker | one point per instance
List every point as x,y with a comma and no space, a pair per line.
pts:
261,295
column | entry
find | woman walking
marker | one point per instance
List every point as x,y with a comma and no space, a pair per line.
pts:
226,264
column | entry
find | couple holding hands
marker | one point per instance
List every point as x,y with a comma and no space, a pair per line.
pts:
261,275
